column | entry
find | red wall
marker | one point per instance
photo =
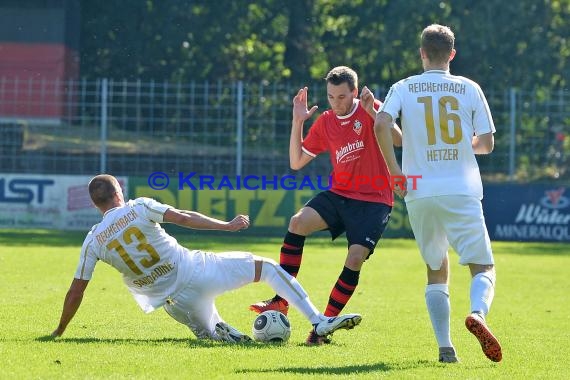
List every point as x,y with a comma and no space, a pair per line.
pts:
34,79
39,44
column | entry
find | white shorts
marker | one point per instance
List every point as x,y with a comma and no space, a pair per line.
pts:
195,306
455,220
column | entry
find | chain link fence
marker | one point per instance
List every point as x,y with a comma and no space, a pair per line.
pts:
134,128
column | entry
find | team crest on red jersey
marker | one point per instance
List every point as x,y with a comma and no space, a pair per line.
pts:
357,127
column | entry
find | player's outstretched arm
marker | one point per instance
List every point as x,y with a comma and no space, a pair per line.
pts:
71,304
297,158
198,221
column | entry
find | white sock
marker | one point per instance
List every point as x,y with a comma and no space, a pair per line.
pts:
439,309
482,292
289,288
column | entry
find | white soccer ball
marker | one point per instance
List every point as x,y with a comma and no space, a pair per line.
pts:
271,326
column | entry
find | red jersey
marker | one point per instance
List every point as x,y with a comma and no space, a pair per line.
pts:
359,170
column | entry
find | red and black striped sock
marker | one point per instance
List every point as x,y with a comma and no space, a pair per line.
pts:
291,253
342,291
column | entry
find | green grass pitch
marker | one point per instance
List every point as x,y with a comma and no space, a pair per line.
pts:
111,337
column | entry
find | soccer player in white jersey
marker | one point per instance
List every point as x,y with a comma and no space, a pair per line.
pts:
161,273
445,121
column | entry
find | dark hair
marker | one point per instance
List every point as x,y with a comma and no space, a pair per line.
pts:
437,42
102,189
343,74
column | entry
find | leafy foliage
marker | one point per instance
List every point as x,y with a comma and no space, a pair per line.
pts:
523,44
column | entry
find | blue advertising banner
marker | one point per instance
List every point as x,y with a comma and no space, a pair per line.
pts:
527,212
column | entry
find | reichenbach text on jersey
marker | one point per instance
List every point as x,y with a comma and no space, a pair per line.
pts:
115,227
457,88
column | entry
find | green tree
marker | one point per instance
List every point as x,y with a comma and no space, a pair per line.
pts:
300,40
524,44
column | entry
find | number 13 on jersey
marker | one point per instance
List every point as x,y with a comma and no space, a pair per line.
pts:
142,246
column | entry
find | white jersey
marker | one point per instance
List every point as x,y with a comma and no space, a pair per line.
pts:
439,114
129,238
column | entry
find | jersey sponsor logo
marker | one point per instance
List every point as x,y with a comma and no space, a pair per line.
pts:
343,123
357,127
348,149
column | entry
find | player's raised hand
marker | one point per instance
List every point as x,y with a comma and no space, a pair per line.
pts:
367,100
366,97
300,109
240,222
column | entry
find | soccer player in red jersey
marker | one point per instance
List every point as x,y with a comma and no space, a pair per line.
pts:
359,201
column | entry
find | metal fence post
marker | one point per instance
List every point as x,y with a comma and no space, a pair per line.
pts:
103,155
513,129
239,129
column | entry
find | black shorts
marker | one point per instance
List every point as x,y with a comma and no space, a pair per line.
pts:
364,222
